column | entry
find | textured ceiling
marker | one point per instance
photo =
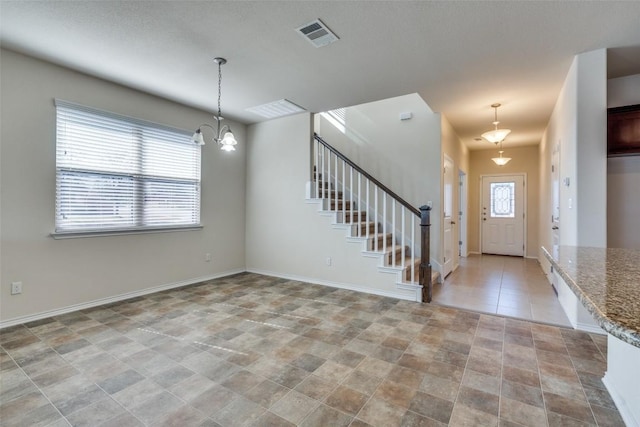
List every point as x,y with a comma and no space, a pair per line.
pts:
459,56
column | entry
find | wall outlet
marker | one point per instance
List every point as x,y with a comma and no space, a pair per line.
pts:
328,261
16,288
207,257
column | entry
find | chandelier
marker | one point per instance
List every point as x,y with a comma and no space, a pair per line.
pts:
496,135
227,141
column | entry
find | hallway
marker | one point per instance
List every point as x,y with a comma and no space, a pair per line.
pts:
509,286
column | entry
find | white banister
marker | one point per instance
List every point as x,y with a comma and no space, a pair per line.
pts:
393,229
413,251
330,167
335,185
403,232
351,192
375,216
368,206
316,147
384,223
359,193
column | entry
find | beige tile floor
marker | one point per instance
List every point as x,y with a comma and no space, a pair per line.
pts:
508,286
251,350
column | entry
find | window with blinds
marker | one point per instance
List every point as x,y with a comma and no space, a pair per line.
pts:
116,173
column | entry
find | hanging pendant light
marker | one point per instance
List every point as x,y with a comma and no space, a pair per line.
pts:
496,135
228,141
501,161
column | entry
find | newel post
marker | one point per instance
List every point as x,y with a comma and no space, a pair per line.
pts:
425,256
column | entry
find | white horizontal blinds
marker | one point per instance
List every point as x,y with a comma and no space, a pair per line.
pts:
115,172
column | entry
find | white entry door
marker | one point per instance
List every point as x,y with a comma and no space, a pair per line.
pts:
449,221
502,215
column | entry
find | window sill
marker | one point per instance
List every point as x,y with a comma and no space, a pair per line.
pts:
120,232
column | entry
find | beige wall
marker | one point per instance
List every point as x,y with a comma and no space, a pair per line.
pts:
523,160
58,274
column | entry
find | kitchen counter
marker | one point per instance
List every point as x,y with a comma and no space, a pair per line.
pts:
607,283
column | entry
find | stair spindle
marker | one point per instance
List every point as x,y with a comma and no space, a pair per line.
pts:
403,234
384,223
368,205
351,193
375,215
393,229
359,198
335,185
413,251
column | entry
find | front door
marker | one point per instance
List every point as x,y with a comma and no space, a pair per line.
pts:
502,213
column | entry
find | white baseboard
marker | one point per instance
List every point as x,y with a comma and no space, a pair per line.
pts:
622,378
593,329
338,285
625,412
112,299
416,289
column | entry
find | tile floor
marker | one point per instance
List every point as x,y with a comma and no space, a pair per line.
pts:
251,350
509,286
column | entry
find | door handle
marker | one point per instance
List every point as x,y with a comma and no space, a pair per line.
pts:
555,227
453,222
484,219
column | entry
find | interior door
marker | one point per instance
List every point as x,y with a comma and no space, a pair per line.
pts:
503,215
555,191
449,221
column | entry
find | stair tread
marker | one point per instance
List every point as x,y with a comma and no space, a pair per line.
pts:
390,248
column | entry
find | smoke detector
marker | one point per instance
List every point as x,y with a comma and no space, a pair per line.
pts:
317,33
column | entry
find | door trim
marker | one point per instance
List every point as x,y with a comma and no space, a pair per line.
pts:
446,160
526,212
463,202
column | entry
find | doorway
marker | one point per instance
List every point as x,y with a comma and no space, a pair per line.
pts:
503,214
462,215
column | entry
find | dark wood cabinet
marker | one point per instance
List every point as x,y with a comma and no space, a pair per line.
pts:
623,131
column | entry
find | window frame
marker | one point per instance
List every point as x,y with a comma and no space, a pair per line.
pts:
138,177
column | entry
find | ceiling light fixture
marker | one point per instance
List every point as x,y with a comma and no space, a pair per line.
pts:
496,135
228,141
501,161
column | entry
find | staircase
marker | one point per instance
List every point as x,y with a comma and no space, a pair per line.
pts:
384,224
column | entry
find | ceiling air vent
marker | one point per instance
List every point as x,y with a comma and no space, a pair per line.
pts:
280,108
317,33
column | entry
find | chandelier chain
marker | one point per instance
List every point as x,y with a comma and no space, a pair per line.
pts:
219,91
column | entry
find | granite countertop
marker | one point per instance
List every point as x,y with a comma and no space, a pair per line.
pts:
607,282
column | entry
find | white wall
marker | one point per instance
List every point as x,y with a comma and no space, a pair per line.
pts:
578,124
591,149
286,236
623,175
403,155
61,273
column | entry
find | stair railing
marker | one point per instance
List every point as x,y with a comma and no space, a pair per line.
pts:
333,174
